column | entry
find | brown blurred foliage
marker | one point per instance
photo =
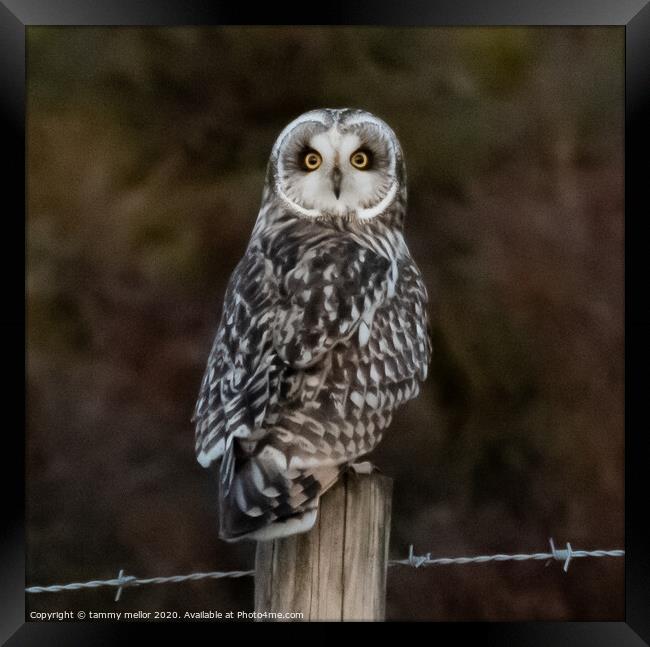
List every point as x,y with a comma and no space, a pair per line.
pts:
146,157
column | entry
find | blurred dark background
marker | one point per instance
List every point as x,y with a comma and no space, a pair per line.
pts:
146,156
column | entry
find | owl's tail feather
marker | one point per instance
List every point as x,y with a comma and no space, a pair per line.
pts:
264,502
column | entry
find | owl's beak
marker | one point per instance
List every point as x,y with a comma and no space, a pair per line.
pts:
336,181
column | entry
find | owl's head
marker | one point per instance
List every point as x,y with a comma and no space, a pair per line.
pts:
337,163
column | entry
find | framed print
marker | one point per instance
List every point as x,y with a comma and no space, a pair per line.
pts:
331,321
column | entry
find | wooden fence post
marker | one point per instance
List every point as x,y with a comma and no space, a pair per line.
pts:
337,570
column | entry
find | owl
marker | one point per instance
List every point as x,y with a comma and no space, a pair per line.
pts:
324,330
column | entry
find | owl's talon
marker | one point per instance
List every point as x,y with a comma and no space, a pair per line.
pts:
364,467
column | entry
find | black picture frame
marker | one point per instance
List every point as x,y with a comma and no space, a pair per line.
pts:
633,15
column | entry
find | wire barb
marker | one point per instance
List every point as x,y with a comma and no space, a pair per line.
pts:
562,555
417,560
124,580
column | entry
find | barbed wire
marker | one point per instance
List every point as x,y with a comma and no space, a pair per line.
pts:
123,580
563,555
415,561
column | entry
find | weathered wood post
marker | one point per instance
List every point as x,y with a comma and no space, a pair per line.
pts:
337,570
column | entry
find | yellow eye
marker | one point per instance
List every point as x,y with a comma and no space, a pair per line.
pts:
360,160
312,160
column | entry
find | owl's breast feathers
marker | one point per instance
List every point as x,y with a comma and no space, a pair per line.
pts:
323,335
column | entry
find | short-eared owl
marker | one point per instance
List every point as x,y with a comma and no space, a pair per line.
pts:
324,330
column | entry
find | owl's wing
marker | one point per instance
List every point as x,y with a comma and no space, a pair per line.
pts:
332,294
235,390
401,334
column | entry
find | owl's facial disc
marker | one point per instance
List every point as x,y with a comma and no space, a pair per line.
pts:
337,170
